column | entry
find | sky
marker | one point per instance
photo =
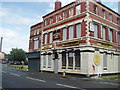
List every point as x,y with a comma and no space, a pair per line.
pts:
16,17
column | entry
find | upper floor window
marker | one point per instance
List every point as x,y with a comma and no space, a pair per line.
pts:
64,14
119,38
46,22
36,43
104,33
110,34
71,12
78,9
110,17
51,20
45,40
51,37
38,31
78,30
95,30
57,17
118,21
35,32
103,13
71,32
64,34
95,9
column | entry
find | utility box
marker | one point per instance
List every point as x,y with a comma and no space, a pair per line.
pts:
33,61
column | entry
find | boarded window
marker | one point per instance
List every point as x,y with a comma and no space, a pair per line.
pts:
104,61
70,60
77,59
63,60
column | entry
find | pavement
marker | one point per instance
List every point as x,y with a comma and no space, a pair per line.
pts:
11,78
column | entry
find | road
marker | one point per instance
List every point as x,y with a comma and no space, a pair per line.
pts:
12,78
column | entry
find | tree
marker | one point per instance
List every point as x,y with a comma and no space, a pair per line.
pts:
17,55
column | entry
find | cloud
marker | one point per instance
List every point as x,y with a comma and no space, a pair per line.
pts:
9,16
13,39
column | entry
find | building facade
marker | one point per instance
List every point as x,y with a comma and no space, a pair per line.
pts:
82,37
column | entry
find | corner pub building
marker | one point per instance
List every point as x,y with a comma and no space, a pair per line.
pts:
82,37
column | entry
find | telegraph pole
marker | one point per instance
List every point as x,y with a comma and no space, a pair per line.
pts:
1,44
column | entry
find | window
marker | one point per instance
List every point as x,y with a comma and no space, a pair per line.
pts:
46,22
103,13
63,60
110,17
35,32
104,33
51,20
49,61
57,17
104,61
44,61
95,30
70,60
118,38
78,9
36,43
64,14
78,30
118,21
77,59
45,39
95,9
51,38
110,34
71,12
71,32
64,34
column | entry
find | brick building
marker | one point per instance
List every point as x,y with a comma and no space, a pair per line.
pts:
85,35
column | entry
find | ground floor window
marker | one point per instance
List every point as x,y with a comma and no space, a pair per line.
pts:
63,60
44,61
77,59
70,60
49,61
104,61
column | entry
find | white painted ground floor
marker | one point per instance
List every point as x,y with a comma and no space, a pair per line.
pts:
83,60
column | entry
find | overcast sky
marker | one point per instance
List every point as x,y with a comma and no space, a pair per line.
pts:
18,15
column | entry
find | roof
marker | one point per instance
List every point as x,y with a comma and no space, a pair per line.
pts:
74,2
59,9
36,24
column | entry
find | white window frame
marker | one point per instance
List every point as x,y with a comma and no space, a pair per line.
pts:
110,17
44,60
45,40
36,42
71,12
46,22
51,20
104,61
64,14
78,9
64,35
49,61
78,30
57,17
71,32
104,33
96,30
110,34
104,13
51,37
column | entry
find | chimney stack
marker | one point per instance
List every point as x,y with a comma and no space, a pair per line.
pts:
57,4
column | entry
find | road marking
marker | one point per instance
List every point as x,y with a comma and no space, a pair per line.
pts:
65,85
30,78
14,74
109,83
40,80
35,79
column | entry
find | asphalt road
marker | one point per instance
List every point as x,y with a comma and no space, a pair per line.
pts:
12,78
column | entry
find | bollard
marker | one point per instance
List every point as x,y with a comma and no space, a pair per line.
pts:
64,73
41,71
